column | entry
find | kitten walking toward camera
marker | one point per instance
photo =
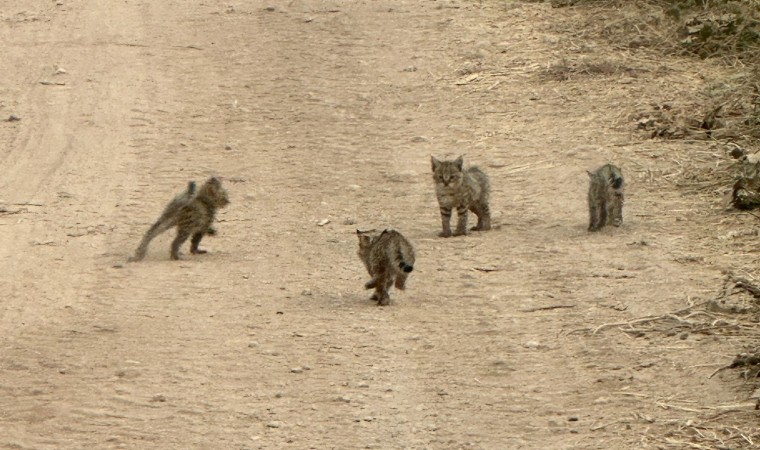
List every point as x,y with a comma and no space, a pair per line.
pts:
192,213
605,197
389,258
465,190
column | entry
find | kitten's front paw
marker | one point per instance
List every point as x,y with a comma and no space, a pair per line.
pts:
198,251
460,233
444,234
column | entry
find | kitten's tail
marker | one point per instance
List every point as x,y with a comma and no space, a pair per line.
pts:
404,261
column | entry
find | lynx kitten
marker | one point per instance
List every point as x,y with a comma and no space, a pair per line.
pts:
461,189
389,258
605,197
192,213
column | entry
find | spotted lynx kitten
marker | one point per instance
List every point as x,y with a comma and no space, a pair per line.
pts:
461,189
389,258
605,197
192,213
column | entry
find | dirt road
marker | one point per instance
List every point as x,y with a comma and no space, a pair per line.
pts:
328,109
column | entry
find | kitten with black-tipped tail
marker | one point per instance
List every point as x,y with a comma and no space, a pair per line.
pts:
605,197
192,213
389,259
465,190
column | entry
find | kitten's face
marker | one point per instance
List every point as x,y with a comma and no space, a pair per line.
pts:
217,193
447,174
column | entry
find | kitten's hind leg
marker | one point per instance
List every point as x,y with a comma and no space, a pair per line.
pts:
385,297
194,242
401,281
381,288
594,221
617,210
484,217
157,228
603,210
371,283
182,236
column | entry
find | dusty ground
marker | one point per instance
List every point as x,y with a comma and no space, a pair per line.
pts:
330,109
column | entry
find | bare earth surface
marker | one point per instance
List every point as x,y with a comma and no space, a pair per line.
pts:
315,110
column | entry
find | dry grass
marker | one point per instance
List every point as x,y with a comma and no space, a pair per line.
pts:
729,31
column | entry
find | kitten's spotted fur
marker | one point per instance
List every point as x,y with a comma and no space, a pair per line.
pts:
465,190
389,258
605,197
192,213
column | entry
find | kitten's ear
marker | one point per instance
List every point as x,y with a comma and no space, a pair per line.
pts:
434,163
459,162
590,174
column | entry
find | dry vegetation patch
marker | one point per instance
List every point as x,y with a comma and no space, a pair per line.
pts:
728,108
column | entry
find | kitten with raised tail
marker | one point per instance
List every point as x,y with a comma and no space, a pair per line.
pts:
389,259
465,190
605,197
192,213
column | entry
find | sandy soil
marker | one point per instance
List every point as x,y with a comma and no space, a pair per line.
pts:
329,109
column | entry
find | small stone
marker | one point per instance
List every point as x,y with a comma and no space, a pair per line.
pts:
274,424
306,367
297,370
60,71
532,344
13,118
158,398
349,221
270,8
306,292
323,222
344,399
572,419
228,147
419,139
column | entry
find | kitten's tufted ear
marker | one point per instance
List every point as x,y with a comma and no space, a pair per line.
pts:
459,162
434,163
590,174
